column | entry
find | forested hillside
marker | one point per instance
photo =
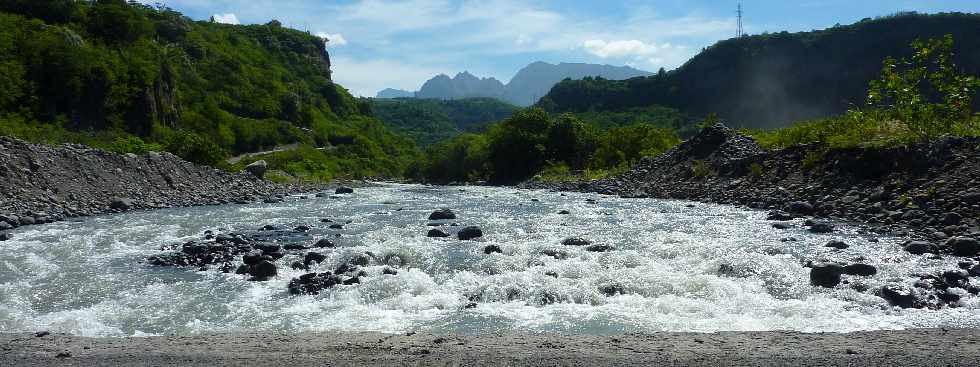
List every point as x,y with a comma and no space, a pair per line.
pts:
772,80
429,121
132,77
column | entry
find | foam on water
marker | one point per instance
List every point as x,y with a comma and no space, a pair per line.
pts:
87,277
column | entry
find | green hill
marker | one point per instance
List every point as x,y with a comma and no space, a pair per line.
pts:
131,77
772,80
429,121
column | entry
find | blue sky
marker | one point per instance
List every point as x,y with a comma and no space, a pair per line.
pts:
401,43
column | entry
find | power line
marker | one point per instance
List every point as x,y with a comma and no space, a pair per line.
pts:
740,32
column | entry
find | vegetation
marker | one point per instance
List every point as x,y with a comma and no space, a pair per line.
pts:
922,97
532,142
129,77
428,121
771,80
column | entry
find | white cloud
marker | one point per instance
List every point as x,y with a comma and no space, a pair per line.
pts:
367,77
333,40
621,48
228,18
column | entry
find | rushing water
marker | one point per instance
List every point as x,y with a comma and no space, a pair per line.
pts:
88,277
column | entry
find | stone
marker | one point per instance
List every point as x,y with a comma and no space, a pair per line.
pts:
863,270
918,247
825,274
324,243
302,228
336,226
263,269
837,244
4,226
470,233
389,271
799,207
437,233
782,225
343,190
257,168
492,249
252,258
956,278
294,247
599,248
576,241
821,227
5,236
898,295
564,212
442,214
121,204
313,257
963,246
779,215
951,219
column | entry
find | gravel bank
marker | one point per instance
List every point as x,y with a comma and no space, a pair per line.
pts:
879,348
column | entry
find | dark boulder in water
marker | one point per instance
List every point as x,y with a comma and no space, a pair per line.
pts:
576,241
437,233
344,190
821,227
313,257
612,289
252,258
313,283
492,249
470,233
294,247
898,295
263,270
840,245
864,270
782,225
779,215
919,247
825,274
442,214
799,207
389,271
963,246
324,243
599,248
5,236
564,212
956,278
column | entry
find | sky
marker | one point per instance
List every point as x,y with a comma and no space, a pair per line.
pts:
377,44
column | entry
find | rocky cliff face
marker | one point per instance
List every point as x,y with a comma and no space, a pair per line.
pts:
463,85
40,183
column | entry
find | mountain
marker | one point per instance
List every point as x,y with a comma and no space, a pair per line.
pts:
772,80
463,85
132,78
395,93
529,84
429,121
535,80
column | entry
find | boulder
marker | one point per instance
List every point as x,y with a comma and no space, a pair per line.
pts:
294,247
470,233
324,243
782,225
898,295
956,278
492,249
344,190
27,220
262,270
252,258
121,204
863,270
313,257
599,248
257,168
918,247
963,246
442,214
800,207
576,241
951,219
564,212
826,274
313,283
821,227
438,233
779,215
4,226
5,236
837,244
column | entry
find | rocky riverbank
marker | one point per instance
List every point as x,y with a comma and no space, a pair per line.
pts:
41,183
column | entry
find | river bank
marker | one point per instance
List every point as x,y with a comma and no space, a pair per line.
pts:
927,347
43,183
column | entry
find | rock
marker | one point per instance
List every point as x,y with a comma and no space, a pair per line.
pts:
576,241
252,258
782,225
956,278
242,269
5,236
313,283
42,333
324,243
564,212
799,207
257,168
599,248
612,290
963,246
442,214
4,226
437,233
262,270
863,270
389,271
492,249
313,257
918,247
898,295
336,226
26,220
951,219
821,227
837,244
121,204
344,190
470,233
322,195
269,227
779,215
302,228
971,198
294,247
825,274
557,254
